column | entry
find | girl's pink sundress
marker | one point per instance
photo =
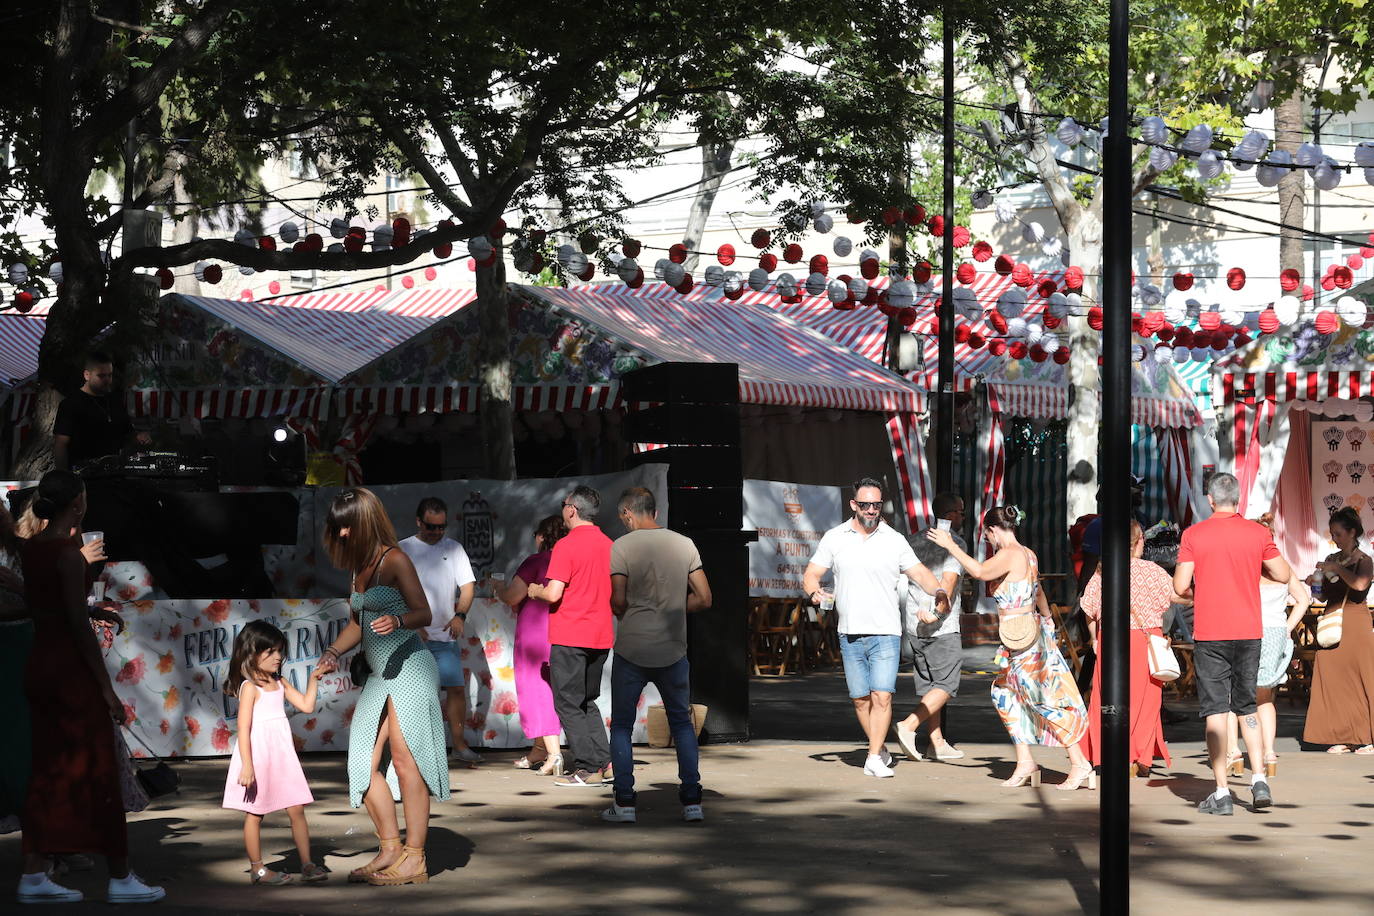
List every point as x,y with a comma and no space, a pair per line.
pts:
279,781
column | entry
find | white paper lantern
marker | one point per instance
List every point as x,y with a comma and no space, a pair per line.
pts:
1175,311
1017,327
1352,311
335,248
817,209
837,290
1012,302
627,269
1182,354
1209,166
19,274
787,284
1150,295
714,275
480,249
1202,354
1162,159
1052,246
244,237
1250,150
868,254
1325,174
1364,154
1233,315
1309,154
1194,308
1004,210
338,227
858,287
1138,353
1034,333
1065,257
565,251
673,273
963,297
1102,127
248,271
927,288
1069,132
199,269
816,284
1164,354
1057,304
758,279
823,223
982,198
1252,320
1369,176
55,272
1198,138
1287,309
1032,233
1269,171
1050,342
1075,303
661,266
901,294
734,281
842,246
1153,130
290,232
381,237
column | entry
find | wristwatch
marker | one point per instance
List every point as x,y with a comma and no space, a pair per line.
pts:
461,616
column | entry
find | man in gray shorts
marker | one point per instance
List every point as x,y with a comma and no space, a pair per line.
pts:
932,638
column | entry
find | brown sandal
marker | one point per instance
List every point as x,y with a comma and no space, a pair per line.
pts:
360,875
391,875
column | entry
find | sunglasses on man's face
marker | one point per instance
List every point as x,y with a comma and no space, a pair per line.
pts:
439,527
864,505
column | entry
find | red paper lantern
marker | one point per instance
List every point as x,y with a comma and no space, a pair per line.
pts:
1289,280
1235,278
1021,275
1095,318
915,215
1354,262
1327,322
1073,278
849,305
23,301
1218,342
976,341
936,225
587,273
820,264
677,253
1151,322
869,268
267,243
966,273
537,263
275,287
961,236
1018,349
1050,321
631,248
761,238
1202,340
1136,329
1183,281
1046,288
1366,252
734,293
1242,339
686,285
887,308
408,281
1061,356
922,272
498,230
638,280
1003,265
792,253
1308,293
961,334
400,233
999,323
1183,337
982,251
907,317
431,274
440,251
768,261
892,215
1328,283
871,296
1038,354
997,347
314,242
725,254
213,274
1268,321
1166,333
165,279
1343,276
357,237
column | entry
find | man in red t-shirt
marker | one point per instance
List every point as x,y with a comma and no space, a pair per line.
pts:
580,635
1221,560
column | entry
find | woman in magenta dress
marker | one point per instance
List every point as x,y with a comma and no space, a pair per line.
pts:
533,693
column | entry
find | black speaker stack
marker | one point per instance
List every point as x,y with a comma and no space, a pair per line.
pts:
695,417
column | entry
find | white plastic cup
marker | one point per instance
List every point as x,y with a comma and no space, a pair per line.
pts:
827,599
89,536
942,524
98,591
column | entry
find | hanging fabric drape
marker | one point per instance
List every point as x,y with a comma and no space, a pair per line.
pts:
1295,520
913,473
1176,455
992,456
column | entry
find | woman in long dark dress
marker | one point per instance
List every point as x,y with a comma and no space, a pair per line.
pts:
74,803
1341,710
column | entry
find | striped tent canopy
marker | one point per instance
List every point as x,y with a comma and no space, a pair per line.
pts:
20,336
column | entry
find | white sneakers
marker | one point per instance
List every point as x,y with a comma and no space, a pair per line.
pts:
130,889
906,738
616,814
693,813
874,766
39,888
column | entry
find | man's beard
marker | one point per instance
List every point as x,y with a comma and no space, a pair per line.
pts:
870,524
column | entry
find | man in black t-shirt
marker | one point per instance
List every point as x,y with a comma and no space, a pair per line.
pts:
92,422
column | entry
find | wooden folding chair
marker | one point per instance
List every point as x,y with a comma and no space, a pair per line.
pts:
1072,649
775,639
820,637
1185,684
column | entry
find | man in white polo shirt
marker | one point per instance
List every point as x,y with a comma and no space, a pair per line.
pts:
868,559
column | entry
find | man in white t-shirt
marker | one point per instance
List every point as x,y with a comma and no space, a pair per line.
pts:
446,576
933,638
868,559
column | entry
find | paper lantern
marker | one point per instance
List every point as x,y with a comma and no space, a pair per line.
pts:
1232,315
1062,356
577,262
631,248
408,281
1326,175
906,317
660,268
1153,130
1004,210
842,246
858,286
976,341
1004,265
1022,276
1166,333
1046,288
966,273
165,279
1307,292
1272,169
937,226
1183,281
274,287
1018,349
1057,305
902,294
823,223
792,253
761,238
733,292
960,236
1175,311
758,279
1289,279
922,272
869,268
820,264
1364,154
1328,283
1162,159
1151,322
982,251
1354,262
213,274
677,253
915,215
714,275
997,347
734,280
267,243
1209,166
400,233
1069,132
1095,318
891,216
1219,343
1052,247
1352,311
1343,277
725,254
1198,138
1017,327
1241,340
966,302
1326,322
673,274
1268,321
1050,342
1235,278
982,198
1287,310
1309,154
1037,353
55,272
1250,149
23,301
998,322
1209,320
1012,302
1032,233
1073,278
1183,337
290,231
816,284
768,261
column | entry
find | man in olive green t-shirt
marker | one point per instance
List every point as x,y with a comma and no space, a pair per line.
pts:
656,581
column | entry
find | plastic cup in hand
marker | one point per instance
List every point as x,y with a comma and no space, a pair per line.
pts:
942,524
89,536
827,599
97,591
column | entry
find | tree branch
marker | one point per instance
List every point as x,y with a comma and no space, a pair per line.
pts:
415,155
457,156
1039,151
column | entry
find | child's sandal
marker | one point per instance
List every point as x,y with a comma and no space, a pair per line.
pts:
360,875
314,874
266,876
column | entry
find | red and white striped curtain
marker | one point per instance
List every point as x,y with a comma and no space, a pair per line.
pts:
1176,454
357,430
913,474
993,451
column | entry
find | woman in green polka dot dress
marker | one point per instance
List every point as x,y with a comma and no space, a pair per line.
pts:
398,729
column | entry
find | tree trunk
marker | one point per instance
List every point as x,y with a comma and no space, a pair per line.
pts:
183,231
494,370
715,163
1085,244
1288,132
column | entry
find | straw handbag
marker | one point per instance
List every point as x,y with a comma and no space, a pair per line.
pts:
1329,629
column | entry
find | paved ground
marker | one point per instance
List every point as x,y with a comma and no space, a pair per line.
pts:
794,826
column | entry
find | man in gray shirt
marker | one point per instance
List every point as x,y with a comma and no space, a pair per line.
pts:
656,581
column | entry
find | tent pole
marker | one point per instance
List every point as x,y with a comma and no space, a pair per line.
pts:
944,428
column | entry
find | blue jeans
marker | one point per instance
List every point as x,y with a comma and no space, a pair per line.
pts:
870,663
674,686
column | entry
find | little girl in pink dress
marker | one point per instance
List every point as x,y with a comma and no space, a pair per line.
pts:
264,773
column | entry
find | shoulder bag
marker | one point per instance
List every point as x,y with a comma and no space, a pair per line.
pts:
1329,627
1163,663
157,780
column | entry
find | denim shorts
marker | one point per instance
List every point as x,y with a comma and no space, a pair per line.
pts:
870,663
447,657
1227,670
